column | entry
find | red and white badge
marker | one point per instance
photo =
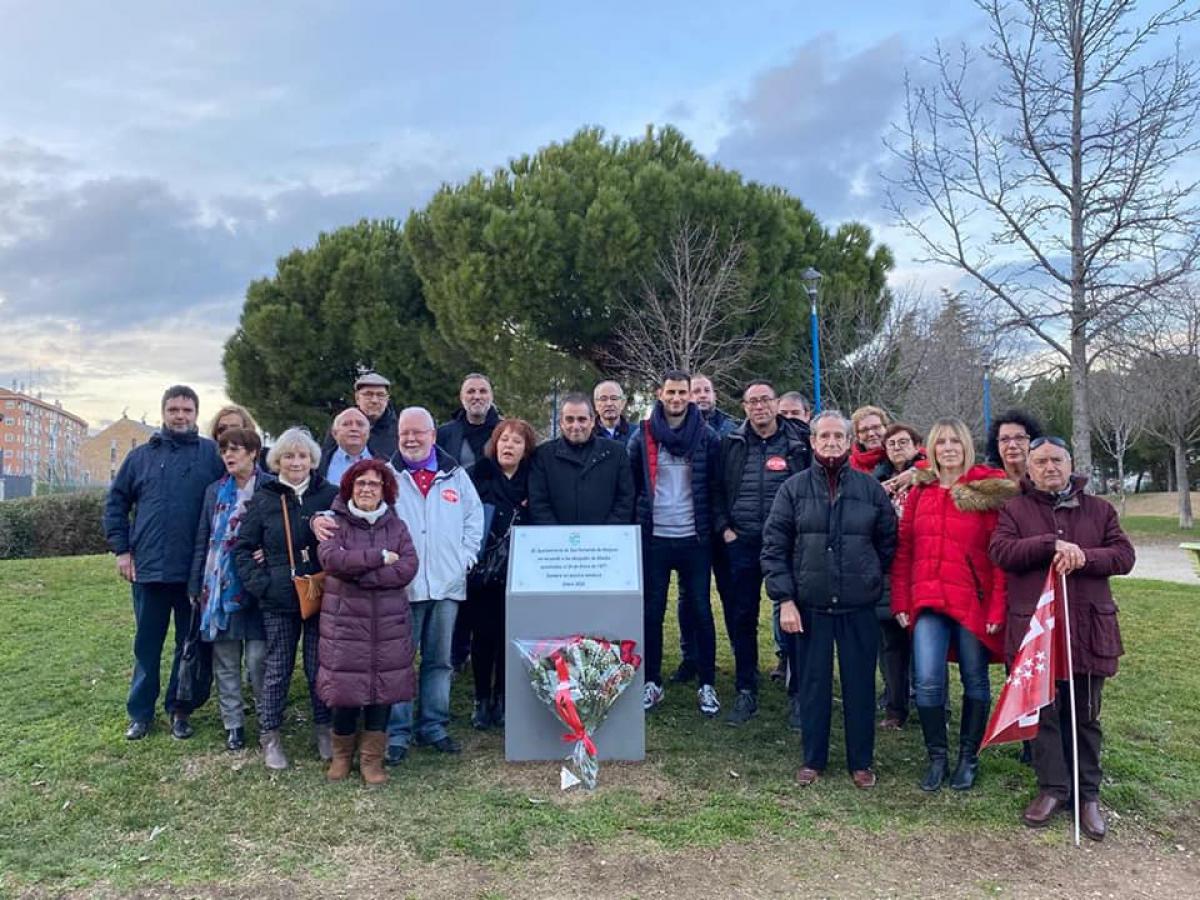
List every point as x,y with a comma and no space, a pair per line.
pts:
776,464
450,495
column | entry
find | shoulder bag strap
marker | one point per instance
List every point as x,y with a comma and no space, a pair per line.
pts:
287,532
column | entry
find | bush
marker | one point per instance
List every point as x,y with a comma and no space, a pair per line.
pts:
57,525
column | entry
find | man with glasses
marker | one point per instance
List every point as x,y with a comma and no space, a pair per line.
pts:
869,424
1008,441
1055,523
372,397
609,400
578,478
757,457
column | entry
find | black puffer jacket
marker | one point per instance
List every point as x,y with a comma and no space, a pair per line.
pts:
587,485
453,434
829,555
749,505
270,582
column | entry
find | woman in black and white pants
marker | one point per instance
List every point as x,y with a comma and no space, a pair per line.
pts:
263,565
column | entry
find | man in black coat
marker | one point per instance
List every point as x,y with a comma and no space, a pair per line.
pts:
372,395
150,520
827,546
578,478
468,430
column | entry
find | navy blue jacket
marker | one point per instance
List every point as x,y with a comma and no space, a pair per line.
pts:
706,479
161,483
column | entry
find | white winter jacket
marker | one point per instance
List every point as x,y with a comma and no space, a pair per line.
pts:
446,526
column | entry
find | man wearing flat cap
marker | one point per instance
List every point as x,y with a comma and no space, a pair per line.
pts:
372,397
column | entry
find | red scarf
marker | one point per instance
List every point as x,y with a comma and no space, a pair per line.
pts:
864,460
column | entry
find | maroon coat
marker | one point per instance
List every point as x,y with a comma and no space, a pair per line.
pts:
366,647
1023,545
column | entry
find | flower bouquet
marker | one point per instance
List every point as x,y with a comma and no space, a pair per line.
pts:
579,678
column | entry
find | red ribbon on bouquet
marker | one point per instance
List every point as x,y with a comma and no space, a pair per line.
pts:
565,704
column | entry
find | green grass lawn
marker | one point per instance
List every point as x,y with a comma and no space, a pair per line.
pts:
1158,528
79,805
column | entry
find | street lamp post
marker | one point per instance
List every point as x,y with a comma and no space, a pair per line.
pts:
812,279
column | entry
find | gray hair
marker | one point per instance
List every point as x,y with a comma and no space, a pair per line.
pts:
337,420
417,410
830,414
294,439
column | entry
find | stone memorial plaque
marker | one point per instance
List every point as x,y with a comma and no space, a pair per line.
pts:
565,580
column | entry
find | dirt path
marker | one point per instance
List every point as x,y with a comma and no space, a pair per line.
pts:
840,863
1163,560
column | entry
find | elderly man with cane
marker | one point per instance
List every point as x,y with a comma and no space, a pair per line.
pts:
1054,523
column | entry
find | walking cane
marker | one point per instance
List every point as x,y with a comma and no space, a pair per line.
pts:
1071,693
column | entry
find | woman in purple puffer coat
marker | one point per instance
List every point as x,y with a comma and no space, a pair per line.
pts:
366,648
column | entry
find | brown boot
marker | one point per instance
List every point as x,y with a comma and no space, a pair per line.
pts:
343,753
371,747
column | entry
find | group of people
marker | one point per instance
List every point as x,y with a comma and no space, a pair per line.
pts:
886,546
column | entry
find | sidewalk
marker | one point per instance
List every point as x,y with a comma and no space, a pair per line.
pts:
1164,561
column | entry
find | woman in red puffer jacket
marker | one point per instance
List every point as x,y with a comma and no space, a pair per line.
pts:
946,589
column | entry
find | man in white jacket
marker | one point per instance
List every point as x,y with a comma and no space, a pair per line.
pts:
443,513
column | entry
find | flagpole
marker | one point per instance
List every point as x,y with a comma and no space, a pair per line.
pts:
1071,693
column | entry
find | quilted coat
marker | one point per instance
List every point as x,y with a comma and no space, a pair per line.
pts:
942,561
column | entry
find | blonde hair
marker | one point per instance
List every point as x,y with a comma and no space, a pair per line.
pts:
295,438
959,429
862,412
247,419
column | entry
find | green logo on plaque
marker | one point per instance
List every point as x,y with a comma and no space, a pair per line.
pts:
574,539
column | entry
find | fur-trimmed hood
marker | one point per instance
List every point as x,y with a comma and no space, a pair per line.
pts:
980,489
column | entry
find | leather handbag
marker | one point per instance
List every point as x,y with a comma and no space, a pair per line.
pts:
309,588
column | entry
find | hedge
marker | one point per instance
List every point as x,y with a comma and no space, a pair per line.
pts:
55,525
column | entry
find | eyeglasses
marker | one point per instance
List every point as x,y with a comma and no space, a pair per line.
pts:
407,435
373,395
870,429
758,401
898,443
1049,439
368,485
1013,439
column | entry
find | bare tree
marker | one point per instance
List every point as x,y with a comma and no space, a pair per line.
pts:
701,319
1057,192
1170,370
1121,408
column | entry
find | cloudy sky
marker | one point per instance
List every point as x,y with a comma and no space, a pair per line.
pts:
154,158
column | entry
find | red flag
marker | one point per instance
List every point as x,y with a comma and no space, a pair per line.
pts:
1041,661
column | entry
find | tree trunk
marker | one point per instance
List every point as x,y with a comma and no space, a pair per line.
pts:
1081,429
1184,486
1171,481
1121,480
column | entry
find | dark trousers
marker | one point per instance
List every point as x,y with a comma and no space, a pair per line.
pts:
283,634
1052,746
719,563
374,716
153,606
895,659
688,558
856,635
486,610
741,609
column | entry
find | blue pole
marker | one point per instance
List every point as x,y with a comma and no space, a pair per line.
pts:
816,353
987,397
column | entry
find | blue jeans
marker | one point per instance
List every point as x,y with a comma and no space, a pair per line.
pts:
153,606
932,636
433,630
689,558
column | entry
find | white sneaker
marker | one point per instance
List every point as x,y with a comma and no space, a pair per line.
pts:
652,695
707,699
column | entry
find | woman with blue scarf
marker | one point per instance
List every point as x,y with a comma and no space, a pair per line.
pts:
229,617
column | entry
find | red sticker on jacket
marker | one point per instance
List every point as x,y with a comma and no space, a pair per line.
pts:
776,464
450,495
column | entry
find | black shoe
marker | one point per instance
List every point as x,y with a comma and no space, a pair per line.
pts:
745,708
481,718
137,730
685,673
779,673
795,715
498,712
181,728
395,754
235,739
446,745
933,728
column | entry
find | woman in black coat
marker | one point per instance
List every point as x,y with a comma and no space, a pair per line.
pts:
501,477
261,556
